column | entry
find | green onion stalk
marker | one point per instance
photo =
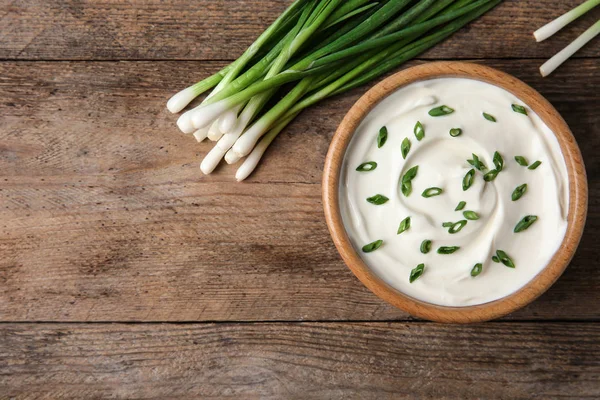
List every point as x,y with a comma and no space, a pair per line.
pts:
322,48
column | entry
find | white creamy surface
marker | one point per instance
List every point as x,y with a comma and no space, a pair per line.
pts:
442,162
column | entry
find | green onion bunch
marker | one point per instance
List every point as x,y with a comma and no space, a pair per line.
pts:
314,50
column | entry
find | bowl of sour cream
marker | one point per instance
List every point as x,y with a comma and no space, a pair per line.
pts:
455,192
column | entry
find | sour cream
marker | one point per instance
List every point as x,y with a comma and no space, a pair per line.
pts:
442,163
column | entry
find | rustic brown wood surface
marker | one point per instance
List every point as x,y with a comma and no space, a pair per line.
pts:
105,217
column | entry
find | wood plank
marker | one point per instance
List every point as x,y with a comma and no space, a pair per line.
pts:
327,360
104,215
219,30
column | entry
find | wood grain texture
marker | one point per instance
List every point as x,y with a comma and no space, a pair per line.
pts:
301,361
577,190
104,215
223,29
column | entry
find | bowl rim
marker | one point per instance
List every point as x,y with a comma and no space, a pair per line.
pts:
578,192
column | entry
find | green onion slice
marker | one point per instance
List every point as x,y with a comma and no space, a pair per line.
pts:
460,206
367,248
489,117
366,167
440,111
476,269
425,246
498,161
447,249
457,227
477,163
535,165
525,223
505,259
519,192
522,161
471,215
405,147
382,137
378,199
404,225
419,131
432,191
468,179
519,109
454,132
495,259
416,273
490,176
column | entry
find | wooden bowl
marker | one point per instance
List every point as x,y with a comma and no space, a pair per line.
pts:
577,189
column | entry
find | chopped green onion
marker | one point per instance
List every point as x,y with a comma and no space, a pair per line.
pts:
468,180
419,131
367,248
440,111
405,147
522,161
495,259
535,165
425,246
407,180
519,109
489,117
404,225
432,191
471,215
406,188
498,161
382,137
476,269
460,206
447,249
454,132
477,163
457,226
525,223
519,192
505,259
447,224
416,273
490,176
366,167
378,199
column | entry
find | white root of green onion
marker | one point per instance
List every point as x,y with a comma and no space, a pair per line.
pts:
556,25
562,56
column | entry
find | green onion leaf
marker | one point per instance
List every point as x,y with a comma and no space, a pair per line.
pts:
366,167
460,206
476,269
490,176
432,191
382,137
489,117
454,132
498,161
471,215
404,225
440,111
447,224
525,223
367,248
425,246
419,131
519,192
477,163
495,259
447,249
519,109
416,273
468,179
378,199
535,165
522,161
505,259
457,226
405,147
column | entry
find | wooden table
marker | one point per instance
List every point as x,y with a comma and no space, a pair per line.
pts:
125,273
